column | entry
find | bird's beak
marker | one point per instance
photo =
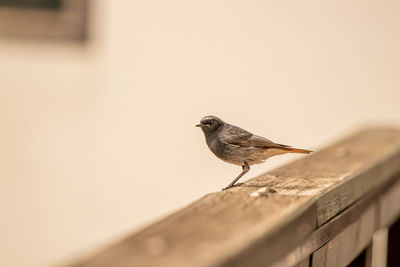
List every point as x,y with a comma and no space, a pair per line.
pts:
198,125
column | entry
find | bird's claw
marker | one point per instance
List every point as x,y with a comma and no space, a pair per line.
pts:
237,184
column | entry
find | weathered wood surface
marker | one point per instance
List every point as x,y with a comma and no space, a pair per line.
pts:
358,226
351,241
252,225
340,240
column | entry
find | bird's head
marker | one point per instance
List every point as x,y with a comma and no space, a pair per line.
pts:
210,124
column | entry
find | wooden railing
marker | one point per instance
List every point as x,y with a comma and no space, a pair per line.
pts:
333,208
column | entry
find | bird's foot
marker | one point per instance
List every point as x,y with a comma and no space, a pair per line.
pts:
238,184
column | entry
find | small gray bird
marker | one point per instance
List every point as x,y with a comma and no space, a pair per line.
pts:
240,147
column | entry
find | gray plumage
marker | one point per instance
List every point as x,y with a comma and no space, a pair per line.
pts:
240,147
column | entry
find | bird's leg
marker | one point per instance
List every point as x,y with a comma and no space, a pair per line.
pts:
245,168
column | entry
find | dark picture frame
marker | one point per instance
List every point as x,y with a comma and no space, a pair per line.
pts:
58,19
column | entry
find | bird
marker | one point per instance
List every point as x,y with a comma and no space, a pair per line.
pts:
237,146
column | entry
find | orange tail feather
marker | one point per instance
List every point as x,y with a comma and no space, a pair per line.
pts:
297,150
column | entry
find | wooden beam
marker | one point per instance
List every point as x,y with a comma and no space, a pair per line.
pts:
351,241
379,247
271,216
352,217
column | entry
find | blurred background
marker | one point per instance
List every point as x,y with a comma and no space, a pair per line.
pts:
98,102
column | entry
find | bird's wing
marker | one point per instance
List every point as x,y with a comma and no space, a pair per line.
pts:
259,141
234,135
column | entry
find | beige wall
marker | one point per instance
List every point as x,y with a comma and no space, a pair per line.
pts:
98,140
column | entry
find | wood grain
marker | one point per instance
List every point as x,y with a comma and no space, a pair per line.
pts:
252,225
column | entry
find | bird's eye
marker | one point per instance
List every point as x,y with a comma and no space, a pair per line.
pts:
208,123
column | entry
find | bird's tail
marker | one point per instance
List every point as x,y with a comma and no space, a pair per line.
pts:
296,150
